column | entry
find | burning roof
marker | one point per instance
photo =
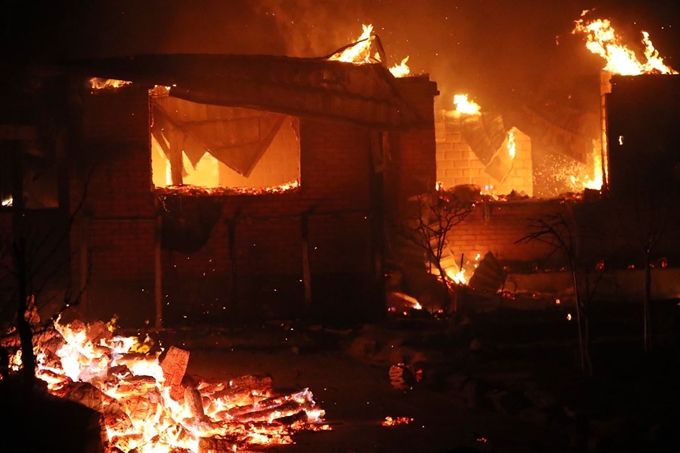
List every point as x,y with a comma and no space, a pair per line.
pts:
360,93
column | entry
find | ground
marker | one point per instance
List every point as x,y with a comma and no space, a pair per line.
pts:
501,382
357,397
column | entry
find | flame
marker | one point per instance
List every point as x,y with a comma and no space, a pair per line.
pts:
512,146
457,275
130,389
602,40
597,181
401,69
360,51
97,83
7,202
465,106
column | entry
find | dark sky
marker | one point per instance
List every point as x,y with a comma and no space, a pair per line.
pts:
490,48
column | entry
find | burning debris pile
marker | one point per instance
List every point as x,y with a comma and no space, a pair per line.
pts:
191,190
151,405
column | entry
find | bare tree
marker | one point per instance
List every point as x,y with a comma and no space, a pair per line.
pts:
29,262
559,233
428,228
651,210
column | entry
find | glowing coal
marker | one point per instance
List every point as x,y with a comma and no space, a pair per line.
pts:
148,405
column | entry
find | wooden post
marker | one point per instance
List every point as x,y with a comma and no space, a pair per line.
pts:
306,272
176,163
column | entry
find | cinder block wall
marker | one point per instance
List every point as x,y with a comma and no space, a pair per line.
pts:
458,164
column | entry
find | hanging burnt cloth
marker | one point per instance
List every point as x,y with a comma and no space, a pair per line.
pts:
237,137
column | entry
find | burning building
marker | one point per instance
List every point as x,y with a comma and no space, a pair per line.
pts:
225,187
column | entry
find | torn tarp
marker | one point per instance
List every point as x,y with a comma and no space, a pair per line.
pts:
237,137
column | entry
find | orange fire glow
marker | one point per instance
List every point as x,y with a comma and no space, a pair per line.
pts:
602,40
457,274
97,83
360,52
394,421
512,146
146,410
465,106
401,69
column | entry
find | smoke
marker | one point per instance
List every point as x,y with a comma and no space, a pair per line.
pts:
312,28
500,52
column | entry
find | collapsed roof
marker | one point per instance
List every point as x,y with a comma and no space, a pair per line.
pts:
365,93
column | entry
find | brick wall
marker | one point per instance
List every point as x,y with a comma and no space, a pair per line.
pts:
334,166
411,167
336,176
458,164
114,234
496,227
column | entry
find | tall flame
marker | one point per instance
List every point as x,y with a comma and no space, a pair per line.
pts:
360,52
97,83
466,106
602,40
512,146
401,69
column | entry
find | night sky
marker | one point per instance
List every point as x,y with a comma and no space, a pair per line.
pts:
496,50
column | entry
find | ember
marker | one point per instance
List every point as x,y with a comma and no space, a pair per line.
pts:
97,83
149,405
190,190
394,421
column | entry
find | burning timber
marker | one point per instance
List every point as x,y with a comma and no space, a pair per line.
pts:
146,402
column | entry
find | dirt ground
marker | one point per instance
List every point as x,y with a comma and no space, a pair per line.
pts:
506,382
357,396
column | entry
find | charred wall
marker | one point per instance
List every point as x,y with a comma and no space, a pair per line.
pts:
242,257
254,255
644,147
498,227
410,166
113,237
